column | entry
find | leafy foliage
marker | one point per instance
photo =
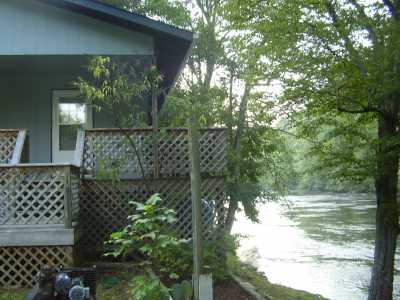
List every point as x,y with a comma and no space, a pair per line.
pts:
169,256
336,58
221,86
339,158
182,291
147,233
145,287
171,12
331,57
120,88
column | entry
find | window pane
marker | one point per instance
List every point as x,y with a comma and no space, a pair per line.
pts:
68,135
71,113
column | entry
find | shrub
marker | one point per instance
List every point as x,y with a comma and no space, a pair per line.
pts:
148,234
146,287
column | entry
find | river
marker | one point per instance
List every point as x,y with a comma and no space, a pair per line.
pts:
318,243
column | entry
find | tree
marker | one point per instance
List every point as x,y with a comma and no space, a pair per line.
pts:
120,89
340,57
221,84
171,12
338,157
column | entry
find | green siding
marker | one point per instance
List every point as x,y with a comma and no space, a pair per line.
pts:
29,27
26,102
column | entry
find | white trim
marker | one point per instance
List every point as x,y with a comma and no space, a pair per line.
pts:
37,235
57,155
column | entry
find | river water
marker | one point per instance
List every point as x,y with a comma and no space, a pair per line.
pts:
318,243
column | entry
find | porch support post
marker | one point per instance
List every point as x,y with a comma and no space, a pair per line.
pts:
154,114
67,198
80,143
195,180
19,145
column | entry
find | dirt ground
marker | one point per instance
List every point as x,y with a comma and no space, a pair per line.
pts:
230,290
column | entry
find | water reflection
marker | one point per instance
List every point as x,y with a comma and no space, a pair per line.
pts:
319,243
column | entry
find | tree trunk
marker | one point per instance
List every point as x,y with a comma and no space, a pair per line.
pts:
387,219
230,217
234,201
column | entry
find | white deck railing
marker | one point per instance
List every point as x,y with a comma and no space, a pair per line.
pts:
166,155
39,194
36,194
11,145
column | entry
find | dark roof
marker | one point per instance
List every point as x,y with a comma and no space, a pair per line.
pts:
172,43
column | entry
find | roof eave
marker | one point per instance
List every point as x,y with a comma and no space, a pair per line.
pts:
121,17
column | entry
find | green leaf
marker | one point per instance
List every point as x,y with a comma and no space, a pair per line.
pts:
116,235
173,276
150,235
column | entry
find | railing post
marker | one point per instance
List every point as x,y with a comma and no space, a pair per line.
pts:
19,145
155,133
195,183
80,143
67,198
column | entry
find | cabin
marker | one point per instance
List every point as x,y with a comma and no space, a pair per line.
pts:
54,209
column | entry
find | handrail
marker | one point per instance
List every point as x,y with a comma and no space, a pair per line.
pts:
68,198
80,144
19,146
150,129
38,165
10,130
8,141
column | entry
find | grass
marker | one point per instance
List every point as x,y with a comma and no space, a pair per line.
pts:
266,288
110,287
115,286
13,294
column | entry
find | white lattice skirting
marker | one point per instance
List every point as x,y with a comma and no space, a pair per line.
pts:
105,208
20,265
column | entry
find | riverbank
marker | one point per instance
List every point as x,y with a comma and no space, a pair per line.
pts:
263,286
117,286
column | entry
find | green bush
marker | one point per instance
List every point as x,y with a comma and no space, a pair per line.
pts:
148,288
214,257
148,234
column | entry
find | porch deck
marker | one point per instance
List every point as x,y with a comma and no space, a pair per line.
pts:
39,204
44,207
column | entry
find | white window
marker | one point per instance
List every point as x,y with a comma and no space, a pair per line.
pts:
70,114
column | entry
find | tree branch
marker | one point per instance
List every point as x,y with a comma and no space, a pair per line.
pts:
367,22
117,122
363,109
203,10
392,8
323,43
356,111
345,36
297,136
